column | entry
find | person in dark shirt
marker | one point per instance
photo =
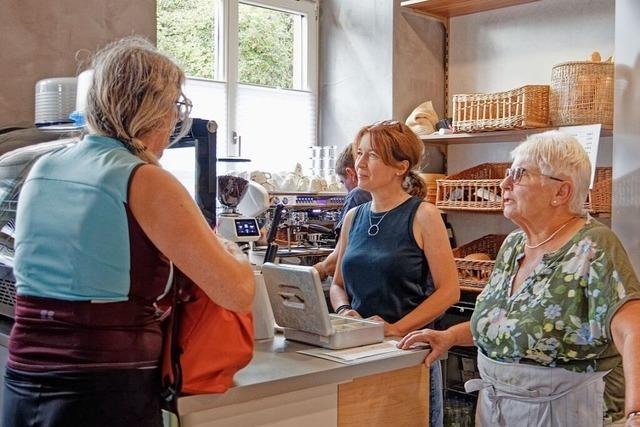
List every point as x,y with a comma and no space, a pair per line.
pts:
394,260
346,171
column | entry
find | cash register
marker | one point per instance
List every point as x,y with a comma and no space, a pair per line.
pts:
299,306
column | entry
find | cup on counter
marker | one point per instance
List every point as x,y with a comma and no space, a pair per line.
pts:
303,183
290,183
336,187
269,186
260,177
277,179
317,184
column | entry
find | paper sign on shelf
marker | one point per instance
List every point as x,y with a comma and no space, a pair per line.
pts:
589,137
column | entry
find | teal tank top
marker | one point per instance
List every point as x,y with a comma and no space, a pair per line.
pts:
72,232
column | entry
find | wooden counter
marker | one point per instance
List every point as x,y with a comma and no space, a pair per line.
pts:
283,388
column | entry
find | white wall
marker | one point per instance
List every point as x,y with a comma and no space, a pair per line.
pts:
355,67
377,61
39,39
511,47
626,147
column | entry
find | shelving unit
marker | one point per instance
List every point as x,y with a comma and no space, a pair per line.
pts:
450,8
496,136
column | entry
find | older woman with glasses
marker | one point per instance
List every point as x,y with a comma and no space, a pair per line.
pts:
394,262
97,224
558,318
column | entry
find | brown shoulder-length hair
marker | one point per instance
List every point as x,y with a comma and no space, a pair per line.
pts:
395,142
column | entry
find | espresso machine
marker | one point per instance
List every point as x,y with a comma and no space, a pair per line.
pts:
300,227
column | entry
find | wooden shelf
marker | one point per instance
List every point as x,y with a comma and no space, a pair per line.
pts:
450,8
496,136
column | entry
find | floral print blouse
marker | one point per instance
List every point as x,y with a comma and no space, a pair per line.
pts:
561,314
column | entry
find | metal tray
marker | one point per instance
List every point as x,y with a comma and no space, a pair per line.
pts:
347,332
298,303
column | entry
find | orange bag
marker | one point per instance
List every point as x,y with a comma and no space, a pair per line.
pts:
212,343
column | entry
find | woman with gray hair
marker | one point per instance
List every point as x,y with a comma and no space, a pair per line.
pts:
560,312
97,224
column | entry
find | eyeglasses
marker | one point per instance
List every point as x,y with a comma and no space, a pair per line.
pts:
386,123
184,107
516,175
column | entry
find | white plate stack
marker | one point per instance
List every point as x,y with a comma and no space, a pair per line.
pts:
55,100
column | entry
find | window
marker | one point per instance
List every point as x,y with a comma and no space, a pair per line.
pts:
265,46
252,67
187,31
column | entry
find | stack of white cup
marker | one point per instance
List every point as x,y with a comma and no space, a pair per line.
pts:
55,100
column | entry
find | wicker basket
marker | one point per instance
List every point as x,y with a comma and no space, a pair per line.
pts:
522,108
582,93
432,188
599,199
474,274
475,189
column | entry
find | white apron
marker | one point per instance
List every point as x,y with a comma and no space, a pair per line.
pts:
513,394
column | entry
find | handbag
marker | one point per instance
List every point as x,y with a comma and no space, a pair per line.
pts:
204,344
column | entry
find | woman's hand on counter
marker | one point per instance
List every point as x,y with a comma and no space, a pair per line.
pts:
440,342
389,329
232,249
351,313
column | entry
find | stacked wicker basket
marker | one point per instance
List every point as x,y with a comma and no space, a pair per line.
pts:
599,199
475,189
430,179
522,108
474,273
582,93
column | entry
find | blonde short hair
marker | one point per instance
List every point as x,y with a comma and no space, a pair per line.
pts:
560,155
134,87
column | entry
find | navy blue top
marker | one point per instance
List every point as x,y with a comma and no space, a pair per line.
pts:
386,274
355,197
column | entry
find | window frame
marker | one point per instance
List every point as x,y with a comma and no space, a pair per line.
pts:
305,68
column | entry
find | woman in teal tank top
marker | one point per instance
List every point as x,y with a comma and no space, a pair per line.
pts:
96,226
395,264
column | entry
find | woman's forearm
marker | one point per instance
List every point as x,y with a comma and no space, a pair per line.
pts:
627,340
427,312
461,334
338,296
631,366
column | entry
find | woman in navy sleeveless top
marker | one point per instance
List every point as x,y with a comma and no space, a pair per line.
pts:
396,264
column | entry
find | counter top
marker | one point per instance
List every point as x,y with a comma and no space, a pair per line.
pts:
277,368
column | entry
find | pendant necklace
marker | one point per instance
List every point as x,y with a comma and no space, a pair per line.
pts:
375,228
548,238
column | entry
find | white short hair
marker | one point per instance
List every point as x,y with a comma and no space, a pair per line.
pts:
560,155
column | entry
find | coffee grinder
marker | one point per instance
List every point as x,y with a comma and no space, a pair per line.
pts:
252,198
